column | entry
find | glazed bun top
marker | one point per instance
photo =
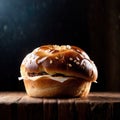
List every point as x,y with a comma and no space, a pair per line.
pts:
55,60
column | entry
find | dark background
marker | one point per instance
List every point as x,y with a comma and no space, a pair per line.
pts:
93,25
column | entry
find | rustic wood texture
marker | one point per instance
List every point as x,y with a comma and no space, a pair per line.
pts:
104,30
97,106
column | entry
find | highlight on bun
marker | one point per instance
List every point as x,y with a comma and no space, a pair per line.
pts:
58,71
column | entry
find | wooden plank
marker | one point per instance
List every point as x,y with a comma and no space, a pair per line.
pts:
101,111
50,109
66,109
30,108
8,107
10,97
82,111
104,97
116,111
97,106
5,112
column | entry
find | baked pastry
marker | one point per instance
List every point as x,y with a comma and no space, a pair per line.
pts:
58,71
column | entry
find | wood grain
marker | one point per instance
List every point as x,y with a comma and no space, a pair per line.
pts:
97,106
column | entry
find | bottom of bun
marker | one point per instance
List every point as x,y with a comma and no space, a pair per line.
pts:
50,88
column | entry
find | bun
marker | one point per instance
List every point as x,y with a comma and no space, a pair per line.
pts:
57,71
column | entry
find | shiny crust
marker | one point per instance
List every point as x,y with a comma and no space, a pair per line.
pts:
70,61
66,60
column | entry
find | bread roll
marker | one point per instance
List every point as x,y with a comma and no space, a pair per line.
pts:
58,71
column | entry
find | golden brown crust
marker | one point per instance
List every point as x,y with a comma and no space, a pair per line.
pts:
70,62
66,60
50,88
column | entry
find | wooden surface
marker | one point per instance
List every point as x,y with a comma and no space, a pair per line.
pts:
97,106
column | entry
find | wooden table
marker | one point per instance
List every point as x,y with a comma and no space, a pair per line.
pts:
97,106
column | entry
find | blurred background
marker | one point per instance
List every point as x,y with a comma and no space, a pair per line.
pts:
93,25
